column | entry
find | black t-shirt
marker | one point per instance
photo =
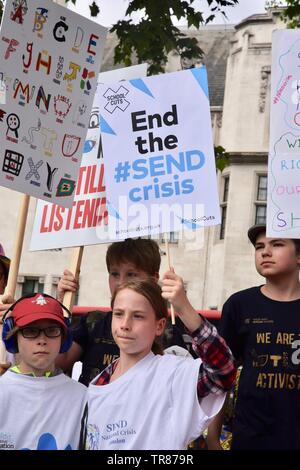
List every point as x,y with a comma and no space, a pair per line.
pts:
264,336
94,336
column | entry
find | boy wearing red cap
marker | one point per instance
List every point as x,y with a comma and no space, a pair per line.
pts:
261,325
36,411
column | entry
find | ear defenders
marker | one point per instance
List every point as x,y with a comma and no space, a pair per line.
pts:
11,344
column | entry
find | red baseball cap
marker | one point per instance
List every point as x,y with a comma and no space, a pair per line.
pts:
38,307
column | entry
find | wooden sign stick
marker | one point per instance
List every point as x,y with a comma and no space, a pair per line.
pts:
169,265
15,262
74,267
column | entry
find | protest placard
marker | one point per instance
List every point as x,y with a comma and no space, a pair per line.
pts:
158,154
50,58
86,222
283,207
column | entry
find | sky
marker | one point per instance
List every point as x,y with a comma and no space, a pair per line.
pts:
113,10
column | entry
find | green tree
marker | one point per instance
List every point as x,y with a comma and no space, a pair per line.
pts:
155,35
221,158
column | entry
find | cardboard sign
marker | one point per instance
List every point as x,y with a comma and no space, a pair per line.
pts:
158,154
50,58
283,210
86,222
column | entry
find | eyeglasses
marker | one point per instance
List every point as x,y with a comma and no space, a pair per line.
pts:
34,331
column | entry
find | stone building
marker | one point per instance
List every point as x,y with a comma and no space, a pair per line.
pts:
238,60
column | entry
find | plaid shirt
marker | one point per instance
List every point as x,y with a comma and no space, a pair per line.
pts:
217,370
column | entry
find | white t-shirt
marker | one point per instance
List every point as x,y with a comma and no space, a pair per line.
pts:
10,358
40,413
154,405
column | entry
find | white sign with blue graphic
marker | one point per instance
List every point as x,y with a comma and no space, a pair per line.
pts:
158,154
49,62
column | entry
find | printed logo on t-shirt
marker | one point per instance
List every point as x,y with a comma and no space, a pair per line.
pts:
6,441
262,320
113,433
92,437
47,442
109,358
276,359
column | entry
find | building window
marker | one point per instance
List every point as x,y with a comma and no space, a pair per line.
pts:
261,200
32,284
173,237
261,214
224,206
262,188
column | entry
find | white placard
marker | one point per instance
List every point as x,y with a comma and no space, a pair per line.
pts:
158,154
86,222
283,209
50,58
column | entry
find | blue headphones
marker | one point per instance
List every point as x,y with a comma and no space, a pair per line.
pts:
11,343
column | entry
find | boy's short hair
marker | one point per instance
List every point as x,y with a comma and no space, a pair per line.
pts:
257,229
142,252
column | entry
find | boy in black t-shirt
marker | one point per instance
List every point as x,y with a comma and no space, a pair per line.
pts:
261,325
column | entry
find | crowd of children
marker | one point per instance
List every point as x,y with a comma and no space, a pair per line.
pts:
138,400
